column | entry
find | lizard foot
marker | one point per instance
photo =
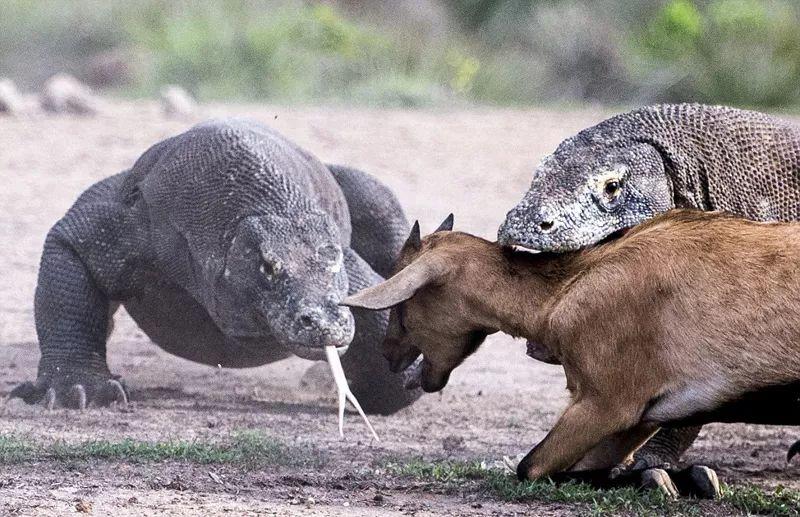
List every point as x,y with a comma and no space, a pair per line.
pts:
72,391
694,481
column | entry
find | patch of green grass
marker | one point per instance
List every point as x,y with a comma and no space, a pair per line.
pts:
498,484
753,500
246,448
14,450
748,500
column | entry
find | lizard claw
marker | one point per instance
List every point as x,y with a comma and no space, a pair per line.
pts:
50,399
112,392
77,396
659,479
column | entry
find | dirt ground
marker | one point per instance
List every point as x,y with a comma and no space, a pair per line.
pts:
475,163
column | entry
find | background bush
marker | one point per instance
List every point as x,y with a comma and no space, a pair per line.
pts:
416,52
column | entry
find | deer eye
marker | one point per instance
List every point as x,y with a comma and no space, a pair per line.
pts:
612,189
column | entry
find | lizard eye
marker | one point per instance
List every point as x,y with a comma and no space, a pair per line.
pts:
612,189
269,269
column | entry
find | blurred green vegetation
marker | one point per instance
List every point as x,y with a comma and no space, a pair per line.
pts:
416,52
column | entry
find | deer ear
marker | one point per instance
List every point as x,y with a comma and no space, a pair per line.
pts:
414,241
402,286
447,225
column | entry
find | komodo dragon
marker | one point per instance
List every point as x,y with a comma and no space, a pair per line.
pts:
628,168
228,245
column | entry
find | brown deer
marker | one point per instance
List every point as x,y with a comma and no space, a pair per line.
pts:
690,318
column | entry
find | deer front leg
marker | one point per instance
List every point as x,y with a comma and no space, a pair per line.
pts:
583,425
616,449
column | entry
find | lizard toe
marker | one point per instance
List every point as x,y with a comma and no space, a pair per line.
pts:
29,392
658,479
698,481
75,397
111,392
50,398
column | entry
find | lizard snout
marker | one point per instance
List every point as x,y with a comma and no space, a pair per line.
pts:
325,326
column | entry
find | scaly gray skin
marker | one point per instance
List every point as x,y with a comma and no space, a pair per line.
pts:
228,245
627,169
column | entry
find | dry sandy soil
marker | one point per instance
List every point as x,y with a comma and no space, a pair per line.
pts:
474,163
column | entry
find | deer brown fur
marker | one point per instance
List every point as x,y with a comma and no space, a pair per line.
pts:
691,317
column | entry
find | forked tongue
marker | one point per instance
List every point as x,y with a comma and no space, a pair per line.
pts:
344,390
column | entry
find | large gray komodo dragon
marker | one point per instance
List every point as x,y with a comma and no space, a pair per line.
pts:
228,245
633,166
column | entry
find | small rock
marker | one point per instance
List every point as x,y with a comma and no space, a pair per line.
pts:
177,102
62,93
378,498
115,67
453,443
176,484
10,99
83,506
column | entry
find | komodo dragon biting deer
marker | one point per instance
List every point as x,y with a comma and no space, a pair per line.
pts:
690,318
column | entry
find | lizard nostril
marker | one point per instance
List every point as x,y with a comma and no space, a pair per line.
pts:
306,321
546,226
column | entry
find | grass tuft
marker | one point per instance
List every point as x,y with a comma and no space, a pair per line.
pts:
247,448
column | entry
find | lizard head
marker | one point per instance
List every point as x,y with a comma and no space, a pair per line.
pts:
585,192
284,278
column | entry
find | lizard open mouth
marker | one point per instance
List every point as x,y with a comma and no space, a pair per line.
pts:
523,249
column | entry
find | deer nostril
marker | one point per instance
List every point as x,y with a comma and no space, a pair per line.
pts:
546,226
